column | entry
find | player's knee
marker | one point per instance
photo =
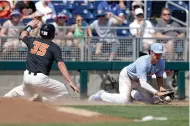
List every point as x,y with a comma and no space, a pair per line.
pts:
7,95
124,99
135,95
10,94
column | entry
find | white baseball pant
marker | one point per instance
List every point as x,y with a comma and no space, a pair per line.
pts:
40,84
125,87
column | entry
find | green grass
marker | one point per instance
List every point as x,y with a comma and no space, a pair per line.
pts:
177,115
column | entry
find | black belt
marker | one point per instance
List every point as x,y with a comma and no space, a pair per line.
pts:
35,73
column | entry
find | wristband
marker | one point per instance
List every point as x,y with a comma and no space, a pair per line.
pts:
28,28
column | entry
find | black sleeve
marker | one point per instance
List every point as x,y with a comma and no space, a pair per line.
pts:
28,39
57,54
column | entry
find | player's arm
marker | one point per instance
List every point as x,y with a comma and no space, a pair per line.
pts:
141,74
160,82
159,77
63,68
35,31
150,89
31,25
65,73
147,86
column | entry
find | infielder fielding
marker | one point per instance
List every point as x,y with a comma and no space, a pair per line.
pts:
133,80
41,54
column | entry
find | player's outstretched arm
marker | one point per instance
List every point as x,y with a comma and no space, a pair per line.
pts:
31,25
160,82
150,89
65,73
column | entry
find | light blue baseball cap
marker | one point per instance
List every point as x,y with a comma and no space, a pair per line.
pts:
157,48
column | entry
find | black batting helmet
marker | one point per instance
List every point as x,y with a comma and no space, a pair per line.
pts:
47,31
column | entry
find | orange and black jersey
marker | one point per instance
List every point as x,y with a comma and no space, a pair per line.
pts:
41,54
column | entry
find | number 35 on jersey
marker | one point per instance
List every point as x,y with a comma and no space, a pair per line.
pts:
39,48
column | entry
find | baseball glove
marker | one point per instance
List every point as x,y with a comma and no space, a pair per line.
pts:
167,98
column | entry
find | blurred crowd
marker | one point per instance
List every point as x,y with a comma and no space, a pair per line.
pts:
76,25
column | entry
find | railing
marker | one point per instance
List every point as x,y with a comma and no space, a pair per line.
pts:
100,49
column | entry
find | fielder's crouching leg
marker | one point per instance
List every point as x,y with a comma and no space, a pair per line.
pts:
140,97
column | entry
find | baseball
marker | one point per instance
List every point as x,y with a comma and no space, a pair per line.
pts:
167,98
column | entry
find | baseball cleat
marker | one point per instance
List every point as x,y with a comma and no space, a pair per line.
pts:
96,96
36,98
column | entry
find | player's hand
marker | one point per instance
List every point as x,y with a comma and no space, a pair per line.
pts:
74,87
162,89
167,93
160,93
33,23
109,14
39,25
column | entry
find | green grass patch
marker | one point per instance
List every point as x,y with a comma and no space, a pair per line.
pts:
177,115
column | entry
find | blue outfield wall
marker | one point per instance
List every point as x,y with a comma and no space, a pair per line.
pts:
83,68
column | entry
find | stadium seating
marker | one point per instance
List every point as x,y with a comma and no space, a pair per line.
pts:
59,8
26,20
70,21
51,20
149,9
90,20
90,6
122,32
80,10
2,20
180,3
54,2
89,11
70,5
178,12
96,3
67,13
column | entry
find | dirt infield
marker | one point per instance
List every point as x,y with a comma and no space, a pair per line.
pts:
19,111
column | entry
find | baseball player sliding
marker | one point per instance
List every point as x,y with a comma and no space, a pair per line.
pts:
133,80
42,52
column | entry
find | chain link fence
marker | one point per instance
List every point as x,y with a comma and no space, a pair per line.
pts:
125,48
175,49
